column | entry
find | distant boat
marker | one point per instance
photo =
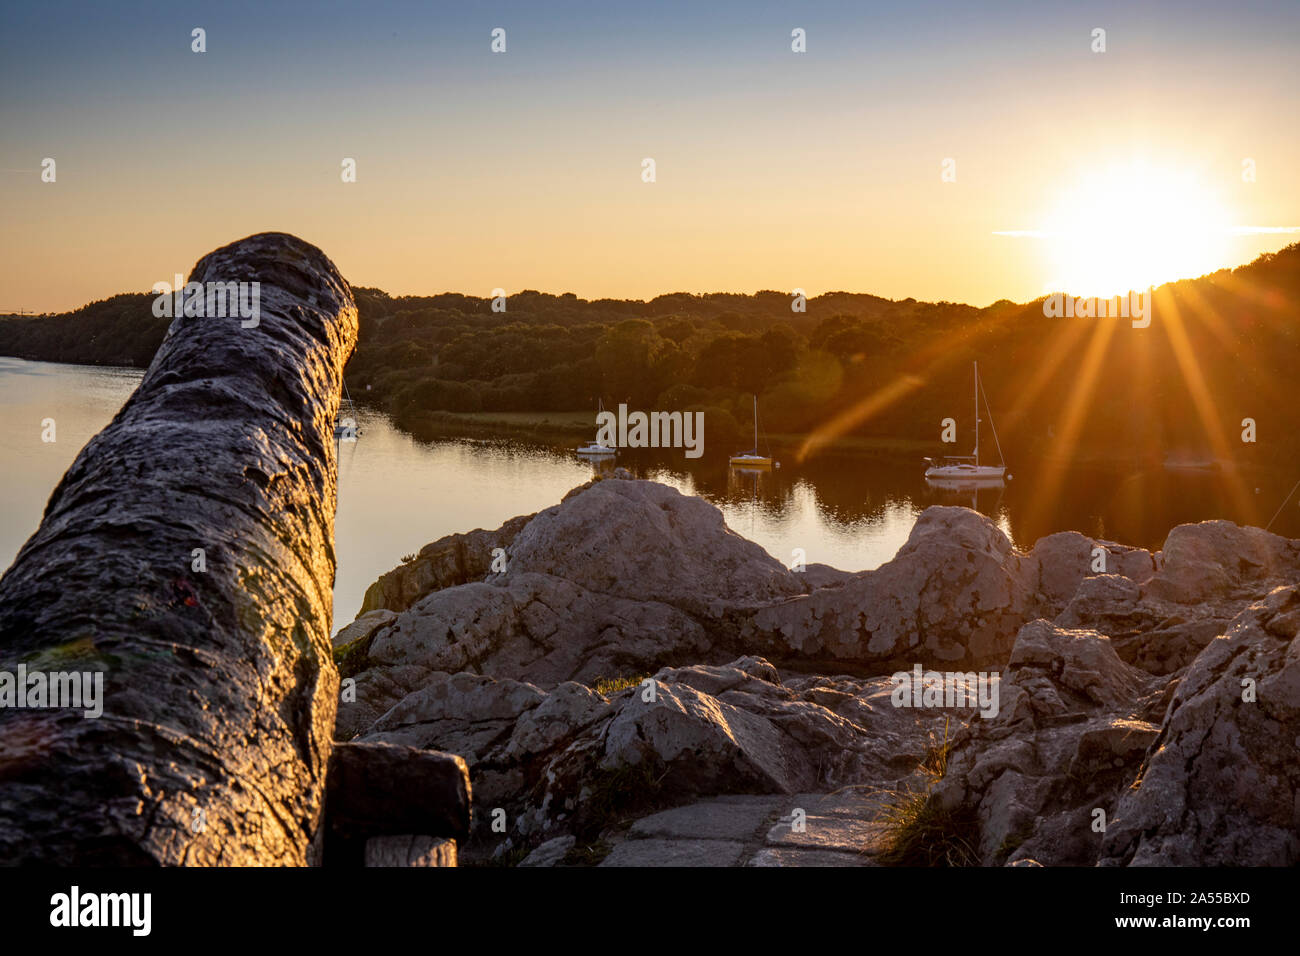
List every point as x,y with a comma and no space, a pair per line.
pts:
963,470
594,449
1186,463
752,459
345,422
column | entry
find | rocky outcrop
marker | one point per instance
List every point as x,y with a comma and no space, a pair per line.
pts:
186,561
1073,725
618,578
1120,734
625,576
447,562
954,596
559,761
1221,783
1208,574
1091,760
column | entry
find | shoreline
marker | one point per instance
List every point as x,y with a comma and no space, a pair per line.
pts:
558,428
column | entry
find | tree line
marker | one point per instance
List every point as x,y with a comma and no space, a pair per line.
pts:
1221,349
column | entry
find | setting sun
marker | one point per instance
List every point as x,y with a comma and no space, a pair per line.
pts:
1133,226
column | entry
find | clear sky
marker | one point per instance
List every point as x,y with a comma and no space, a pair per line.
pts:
523,170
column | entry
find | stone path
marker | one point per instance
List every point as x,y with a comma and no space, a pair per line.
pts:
832,830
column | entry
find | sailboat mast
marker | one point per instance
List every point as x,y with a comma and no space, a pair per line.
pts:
755,423
977,414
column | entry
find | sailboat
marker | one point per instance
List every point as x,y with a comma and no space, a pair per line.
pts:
752,459
594,449
345,422
966,469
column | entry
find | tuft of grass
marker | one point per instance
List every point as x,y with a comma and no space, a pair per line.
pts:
609,686
918,830
1011,844
351,658
935,763
511,857
587,854
614,794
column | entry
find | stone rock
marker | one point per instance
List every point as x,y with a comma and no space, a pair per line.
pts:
621,577
955,594
550,853
648,543
381,789
774,687
1208,574
1067,558
709,820
1217,559
535,627
506,731
461,713
676,853
410,850
219,694
1107,603
1071,731
1220,786
709,746
363,627
627,576
540,755
447,562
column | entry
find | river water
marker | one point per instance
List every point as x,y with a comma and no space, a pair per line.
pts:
397,494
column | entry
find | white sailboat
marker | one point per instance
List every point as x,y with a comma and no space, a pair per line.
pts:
966,469
345,422
752,459
594,448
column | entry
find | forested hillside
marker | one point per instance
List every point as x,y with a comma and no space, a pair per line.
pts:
1220,349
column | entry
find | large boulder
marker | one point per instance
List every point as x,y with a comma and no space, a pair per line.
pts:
380,790
1207,574
1217,559
1221,786
647,542
447,562
955,595
1072,727
705,744
619,578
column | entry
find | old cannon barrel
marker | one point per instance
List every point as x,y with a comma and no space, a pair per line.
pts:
186,560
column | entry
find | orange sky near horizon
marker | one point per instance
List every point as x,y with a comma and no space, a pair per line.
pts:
822,171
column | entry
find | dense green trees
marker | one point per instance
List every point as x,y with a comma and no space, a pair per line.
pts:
121,330
1221,348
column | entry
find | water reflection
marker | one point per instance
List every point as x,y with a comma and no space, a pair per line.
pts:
397,494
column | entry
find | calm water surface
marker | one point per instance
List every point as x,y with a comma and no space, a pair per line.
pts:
397,494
